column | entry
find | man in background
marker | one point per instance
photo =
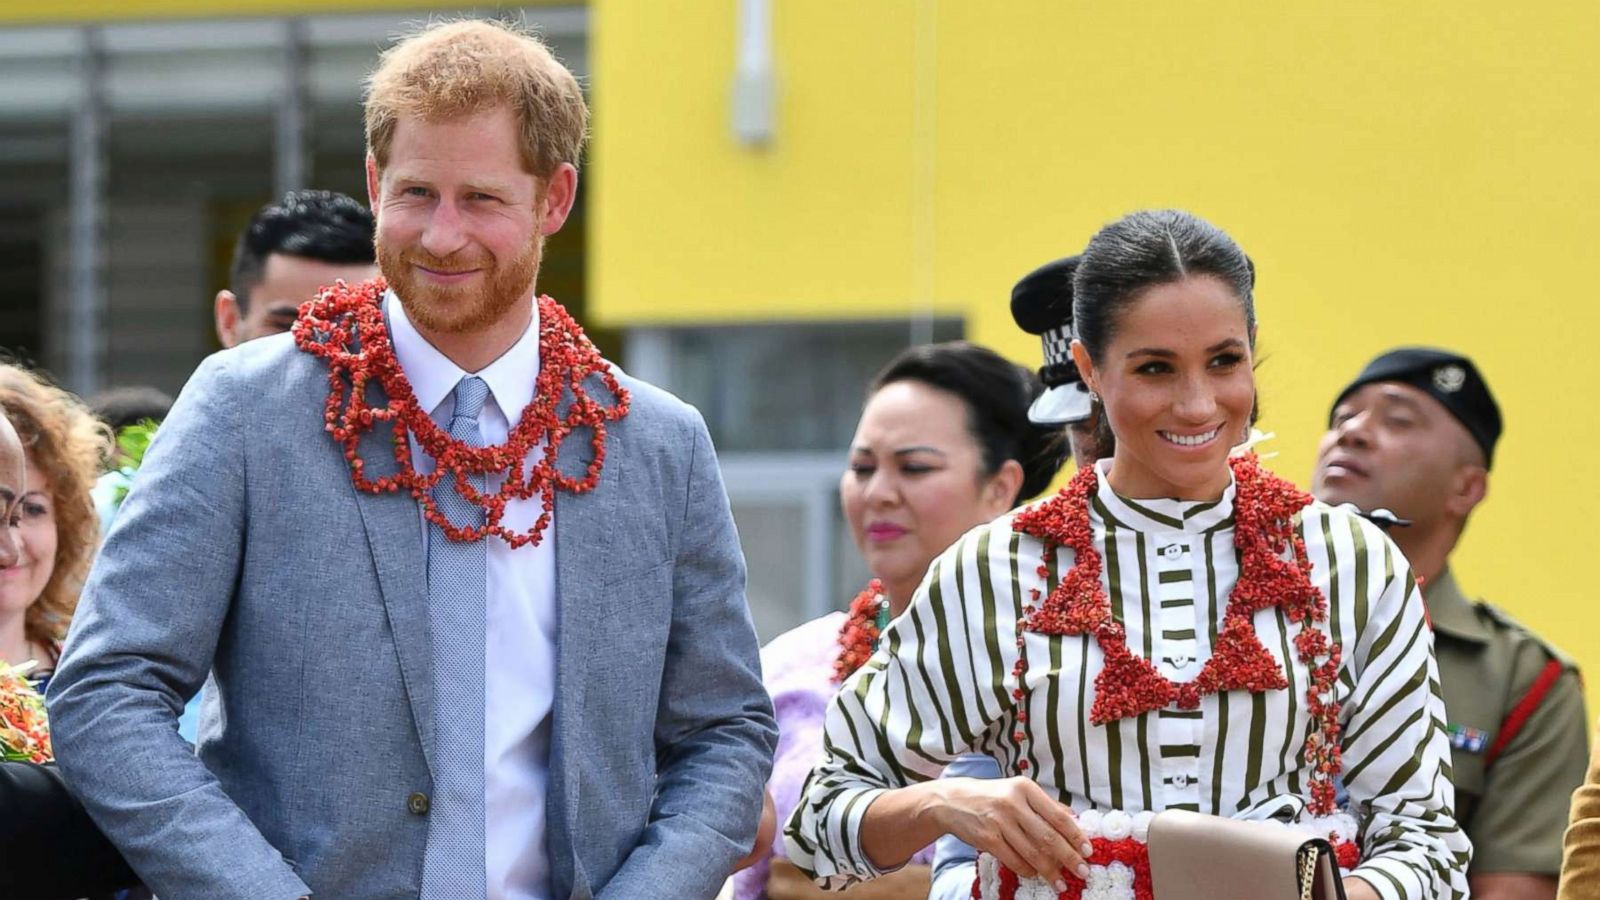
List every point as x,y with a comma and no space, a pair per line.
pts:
1415,434
290,249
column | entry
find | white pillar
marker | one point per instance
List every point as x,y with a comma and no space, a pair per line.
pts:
291,164
86,215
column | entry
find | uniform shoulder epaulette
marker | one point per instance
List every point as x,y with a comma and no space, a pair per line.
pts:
1504,620
1550,673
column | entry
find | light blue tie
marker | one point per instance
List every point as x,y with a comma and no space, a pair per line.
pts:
455,863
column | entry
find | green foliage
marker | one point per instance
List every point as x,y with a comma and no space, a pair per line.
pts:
134,440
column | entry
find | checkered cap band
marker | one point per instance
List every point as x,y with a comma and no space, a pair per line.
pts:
1057,345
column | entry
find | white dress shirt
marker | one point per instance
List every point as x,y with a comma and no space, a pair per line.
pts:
520,654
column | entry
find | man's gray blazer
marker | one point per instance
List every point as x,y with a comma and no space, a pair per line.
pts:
245,552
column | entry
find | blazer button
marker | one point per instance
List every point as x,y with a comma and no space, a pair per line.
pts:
417,803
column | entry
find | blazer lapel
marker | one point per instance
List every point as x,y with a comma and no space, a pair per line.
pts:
582,536
561,804
393,525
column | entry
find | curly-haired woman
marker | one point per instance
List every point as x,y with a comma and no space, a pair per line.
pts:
51,847
57,528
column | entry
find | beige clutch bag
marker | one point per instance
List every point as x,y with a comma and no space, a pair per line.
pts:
1200,857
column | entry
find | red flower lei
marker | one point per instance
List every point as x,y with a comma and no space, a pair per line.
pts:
1273,571
344,325
859,636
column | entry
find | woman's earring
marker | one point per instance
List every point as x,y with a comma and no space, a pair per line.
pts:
1093,397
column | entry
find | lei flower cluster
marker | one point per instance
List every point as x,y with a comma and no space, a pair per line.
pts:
1273,572
859,636
345,327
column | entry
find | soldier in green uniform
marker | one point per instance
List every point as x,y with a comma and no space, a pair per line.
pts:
1414,434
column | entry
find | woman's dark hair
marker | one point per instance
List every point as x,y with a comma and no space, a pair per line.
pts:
996,393
1145,249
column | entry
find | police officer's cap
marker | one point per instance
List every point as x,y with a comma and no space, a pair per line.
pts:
1041,303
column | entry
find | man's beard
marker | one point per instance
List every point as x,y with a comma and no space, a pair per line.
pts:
456,310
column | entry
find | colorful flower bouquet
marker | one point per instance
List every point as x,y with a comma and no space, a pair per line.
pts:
24,731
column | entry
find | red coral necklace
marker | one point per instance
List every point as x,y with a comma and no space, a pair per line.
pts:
344,326
1273,571
869,615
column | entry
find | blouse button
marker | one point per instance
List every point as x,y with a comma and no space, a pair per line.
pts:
1180,780
1171,551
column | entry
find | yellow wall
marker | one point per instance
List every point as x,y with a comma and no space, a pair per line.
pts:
1417,172
819,221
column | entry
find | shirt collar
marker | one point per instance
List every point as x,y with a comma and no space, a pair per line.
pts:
434,376
1450,610
1168,515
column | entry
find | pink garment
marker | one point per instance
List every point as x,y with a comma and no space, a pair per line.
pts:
798,669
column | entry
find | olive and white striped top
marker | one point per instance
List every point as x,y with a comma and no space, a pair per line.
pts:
941,685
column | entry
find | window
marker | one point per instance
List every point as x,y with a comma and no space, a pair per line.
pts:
781,402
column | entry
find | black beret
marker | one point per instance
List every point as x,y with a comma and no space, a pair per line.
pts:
1447,377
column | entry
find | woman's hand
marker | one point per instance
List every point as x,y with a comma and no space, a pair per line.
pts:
1013,819
1027,830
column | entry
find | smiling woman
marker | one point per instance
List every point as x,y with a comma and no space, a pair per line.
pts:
1165,344
1175,630
50,846
57,529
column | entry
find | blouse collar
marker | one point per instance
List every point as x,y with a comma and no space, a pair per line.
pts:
1159,514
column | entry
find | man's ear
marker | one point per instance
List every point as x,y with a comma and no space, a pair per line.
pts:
1468,488
372,184
560,191
226,311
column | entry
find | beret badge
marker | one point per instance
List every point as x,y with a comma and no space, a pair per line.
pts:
1449,379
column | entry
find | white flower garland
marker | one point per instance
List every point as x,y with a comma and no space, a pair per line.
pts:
1115,881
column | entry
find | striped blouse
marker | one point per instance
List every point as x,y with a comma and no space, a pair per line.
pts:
941,684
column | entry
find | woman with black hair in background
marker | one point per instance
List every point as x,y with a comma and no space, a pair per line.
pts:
944,444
